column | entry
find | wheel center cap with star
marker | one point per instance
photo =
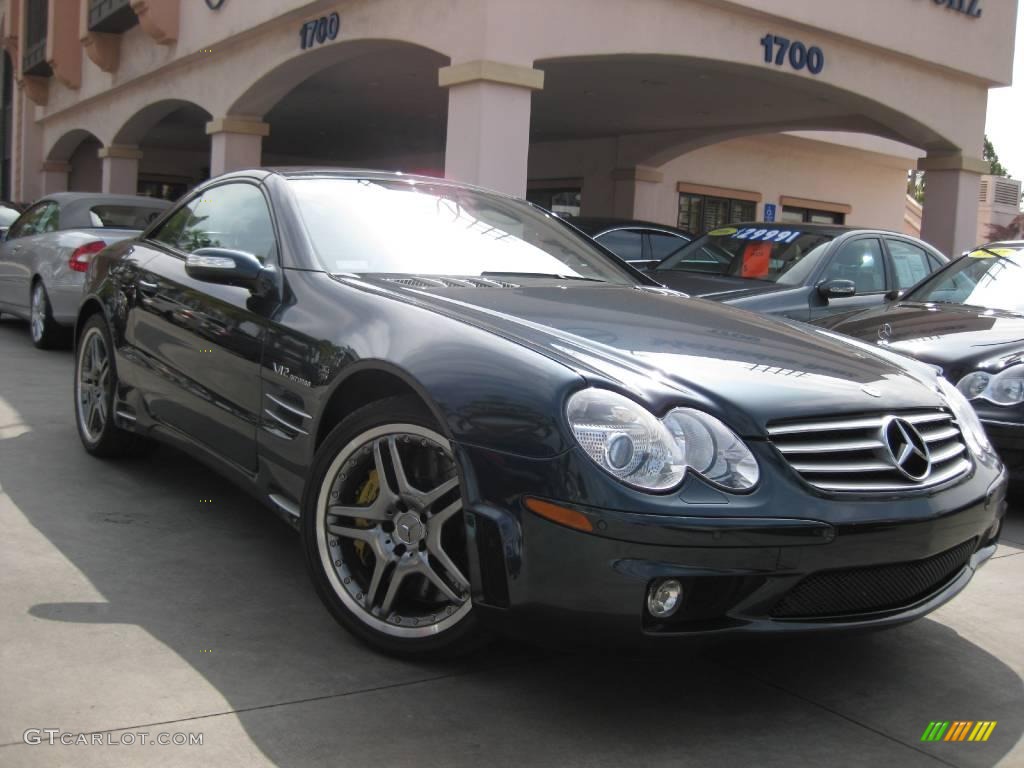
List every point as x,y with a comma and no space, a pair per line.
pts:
409,529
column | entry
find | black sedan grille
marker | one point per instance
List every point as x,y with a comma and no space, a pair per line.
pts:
850,454
852,591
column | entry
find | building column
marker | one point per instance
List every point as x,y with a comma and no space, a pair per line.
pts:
952,186
236,143
120,169
54,177
489,123
636,192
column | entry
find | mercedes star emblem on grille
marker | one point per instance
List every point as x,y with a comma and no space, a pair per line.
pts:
907,449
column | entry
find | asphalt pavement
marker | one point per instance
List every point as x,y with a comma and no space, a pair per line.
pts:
130,605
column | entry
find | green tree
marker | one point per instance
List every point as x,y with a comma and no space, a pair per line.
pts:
990,156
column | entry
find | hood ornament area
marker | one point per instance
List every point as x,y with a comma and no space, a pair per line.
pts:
884,332
906,448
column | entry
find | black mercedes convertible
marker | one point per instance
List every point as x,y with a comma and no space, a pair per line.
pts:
479,420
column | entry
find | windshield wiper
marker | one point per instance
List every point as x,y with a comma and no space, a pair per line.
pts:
543,274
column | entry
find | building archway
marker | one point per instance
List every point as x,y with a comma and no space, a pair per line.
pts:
164,146
73,164
357,103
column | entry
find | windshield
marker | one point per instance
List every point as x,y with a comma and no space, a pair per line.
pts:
766,254
371,226
988,277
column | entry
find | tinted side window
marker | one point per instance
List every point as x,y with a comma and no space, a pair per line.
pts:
231,216
170,231
910,263
627,244
861,262
663,245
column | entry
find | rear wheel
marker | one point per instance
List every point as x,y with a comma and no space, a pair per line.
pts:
384,532
95,388
46,333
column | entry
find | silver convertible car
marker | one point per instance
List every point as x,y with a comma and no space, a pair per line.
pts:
46,251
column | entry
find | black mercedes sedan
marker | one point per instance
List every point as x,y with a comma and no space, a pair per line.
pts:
641,243
802,271
479,421
968,320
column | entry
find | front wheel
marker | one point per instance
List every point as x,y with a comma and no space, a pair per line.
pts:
384,533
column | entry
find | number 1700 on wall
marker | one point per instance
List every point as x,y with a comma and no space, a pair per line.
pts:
779,50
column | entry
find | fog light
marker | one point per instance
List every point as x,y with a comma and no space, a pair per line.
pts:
664,598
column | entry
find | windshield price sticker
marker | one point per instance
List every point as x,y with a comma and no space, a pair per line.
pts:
767,235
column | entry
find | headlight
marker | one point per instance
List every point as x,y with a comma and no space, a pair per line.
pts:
1005,388
963,412
652,454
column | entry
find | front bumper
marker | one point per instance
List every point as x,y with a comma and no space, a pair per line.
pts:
739,558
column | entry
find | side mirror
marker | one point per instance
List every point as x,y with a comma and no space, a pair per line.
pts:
224,266
837,289
895,295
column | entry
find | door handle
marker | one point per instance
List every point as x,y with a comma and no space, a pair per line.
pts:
147,287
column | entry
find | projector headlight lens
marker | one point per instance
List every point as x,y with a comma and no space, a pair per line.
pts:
652,454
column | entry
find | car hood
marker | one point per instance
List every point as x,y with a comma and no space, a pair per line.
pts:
956,338
714,287
666,349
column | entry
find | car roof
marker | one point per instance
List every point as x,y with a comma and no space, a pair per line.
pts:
99,198
593,225
824,229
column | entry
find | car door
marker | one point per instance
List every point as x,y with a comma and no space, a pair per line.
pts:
910,263
15,269
199,344
860,260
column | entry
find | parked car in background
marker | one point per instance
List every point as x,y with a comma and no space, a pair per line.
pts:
480,420
9,212
801,271
967,319
641,243
46,251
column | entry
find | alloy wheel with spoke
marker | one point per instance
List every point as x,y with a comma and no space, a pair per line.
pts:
390,534
38,313
92,385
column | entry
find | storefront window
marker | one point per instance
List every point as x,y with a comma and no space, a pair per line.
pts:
563,201
703,213
794,215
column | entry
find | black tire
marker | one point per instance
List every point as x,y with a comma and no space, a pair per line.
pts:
107,441
339,447
46,333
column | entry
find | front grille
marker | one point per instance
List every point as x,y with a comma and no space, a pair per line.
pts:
851,454
839,593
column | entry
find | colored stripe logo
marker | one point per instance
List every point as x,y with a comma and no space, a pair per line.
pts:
959,730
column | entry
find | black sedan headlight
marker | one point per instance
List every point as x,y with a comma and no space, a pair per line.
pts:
967,418
634,446
1003,388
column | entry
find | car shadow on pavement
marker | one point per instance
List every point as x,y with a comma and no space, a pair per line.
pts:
173,550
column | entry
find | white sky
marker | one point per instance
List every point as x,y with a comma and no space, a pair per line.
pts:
1005,126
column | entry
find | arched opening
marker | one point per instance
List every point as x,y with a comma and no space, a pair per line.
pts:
611,130
77,154
175,149
366,103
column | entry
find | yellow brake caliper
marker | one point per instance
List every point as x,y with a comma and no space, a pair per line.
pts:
367,495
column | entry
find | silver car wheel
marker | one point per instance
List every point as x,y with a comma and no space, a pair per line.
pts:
38,312
387,546
92,384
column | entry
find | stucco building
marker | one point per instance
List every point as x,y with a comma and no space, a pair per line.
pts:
683,111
